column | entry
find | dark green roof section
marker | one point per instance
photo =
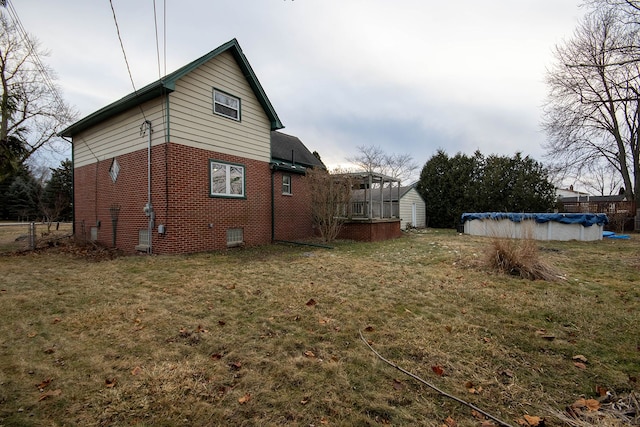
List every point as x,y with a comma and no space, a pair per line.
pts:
168,85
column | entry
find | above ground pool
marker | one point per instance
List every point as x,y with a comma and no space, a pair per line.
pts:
539,226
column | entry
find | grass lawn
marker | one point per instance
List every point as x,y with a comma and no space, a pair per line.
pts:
270,335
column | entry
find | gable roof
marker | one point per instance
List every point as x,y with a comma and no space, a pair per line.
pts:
288,151
167,84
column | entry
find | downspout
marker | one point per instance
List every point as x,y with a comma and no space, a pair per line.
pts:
148,209
273,204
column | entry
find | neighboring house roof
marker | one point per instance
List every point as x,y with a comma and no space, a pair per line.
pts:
594,199
359,195
289,153
168,84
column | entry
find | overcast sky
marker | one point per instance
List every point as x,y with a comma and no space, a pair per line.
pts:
409,76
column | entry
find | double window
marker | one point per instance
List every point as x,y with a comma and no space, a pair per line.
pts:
227,179
226,105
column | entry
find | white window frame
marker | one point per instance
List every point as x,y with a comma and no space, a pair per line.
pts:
226,174
286,185
224,102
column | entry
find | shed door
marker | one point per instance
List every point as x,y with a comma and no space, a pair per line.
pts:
413,214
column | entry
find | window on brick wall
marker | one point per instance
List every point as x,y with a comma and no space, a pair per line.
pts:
235,237
286,184
227,179
226,105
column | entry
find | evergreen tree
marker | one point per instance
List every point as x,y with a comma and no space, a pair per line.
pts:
58,193
454,185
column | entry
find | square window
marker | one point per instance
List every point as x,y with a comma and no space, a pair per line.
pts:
235,237
227,179
226,105
286,184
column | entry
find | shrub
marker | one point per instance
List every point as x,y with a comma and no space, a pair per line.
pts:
519,257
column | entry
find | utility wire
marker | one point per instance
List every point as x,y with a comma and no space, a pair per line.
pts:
33,53
115,20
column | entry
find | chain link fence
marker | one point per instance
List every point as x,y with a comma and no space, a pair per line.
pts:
24,236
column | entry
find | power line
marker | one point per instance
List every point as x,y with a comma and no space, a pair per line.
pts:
115,20
33,52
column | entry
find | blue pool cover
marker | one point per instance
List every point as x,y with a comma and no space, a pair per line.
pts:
584,219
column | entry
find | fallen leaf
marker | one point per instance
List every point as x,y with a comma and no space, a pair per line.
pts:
534,421
487,424
110,382
56,320
216,356
580,365
477,415
369,329
592,405
50,350
507,373
309,353
136,370
32,334
221,323
601,391
438,370
450,422
579,358
244,399
311,302
235,366
580,403
50,393
324,420
202,330
44,383
305,400
397,384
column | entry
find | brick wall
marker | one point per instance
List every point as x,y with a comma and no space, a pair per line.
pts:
293,219
194,221
370,231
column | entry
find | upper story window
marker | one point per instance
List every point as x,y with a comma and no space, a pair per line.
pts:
227,179
226,105
286,184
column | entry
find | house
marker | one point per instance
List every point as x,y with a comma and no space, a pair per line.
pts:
190,163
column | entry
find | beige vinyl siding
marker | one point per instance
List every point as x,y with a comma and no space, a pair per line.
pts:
406,203
194,124
120,134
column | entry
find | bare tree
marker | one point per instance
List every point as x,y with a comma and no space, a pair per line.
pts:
32,112
373,159
601,179
330,196
369,158
593,109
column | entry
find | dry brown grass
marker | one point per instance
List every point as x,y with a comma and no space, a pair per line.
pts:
520,257
269,336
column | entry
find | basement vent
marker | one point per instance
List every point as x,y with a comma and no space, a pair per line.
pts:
235,237
94,234
143,240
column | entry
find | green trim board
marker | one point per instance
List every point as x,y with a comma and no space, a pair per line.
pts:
167,85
